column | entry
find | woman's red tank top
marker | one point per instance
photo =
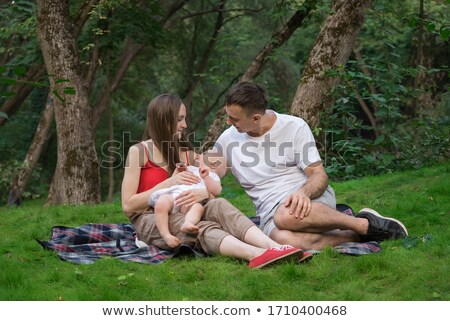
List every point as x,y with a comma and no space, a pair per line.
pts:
152,174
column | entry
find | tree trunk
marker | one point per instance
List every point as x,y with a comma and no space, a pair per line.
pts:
278,39
21,179
111,155
332,49
77,175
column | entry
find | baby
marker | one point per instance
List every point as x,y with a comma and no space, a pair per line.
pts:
163,201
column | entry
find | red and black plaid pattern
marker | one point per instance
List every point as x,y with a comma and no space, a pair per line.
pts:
86,244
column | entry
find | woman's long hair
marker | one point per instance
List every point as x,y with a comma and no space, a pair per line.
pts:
161,128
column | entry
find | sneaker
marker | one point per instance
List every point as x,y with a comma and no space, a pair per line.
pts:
381,228
305,257
272,255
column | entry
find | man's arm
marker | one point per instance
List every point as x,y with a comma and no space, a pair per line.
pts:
317,181
299,203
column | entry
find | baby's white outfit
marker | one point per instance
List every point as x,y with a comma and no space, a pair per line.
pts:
178,189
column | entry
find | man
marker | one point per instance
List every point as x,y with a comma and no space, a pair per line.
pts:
274,157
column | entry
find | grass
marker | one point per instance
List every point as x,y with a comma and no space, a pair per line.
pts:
420,198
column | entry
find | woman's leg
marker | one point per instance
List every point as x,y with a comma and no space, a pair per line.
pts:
256,237
231,246
229,218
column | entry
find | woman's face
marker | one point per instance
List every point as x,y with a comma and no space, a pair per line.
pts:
181,123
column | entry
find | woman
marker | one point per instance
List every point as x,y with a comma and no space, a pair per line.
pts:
223,230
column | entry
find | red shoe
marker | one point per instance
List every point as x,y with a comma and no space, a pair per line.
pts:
305,257
272,255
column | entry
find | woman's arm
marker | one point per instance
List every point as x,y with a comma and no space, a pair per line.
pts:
132,201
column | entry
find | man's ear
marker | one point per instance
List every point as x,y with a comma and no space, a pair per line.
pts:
256,117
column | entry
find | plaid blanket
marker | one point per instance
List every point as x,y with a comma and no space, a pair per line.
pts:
87,243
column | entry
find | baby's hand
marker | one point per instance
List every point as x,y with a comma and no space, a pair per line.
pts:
204,172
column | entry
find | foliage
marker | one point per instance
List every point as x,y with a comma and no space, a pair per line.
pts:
173,52
386,82
349,144
7,172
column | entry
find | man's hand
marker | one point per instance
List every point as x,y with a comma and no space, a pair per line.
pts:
299,205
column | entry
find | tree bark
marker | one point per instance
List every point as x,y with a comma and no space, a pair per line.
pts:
77,175
21,179
111,155
277,40
332,49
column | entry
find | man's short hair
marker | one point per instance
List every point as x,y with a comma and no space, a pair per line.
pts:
249,96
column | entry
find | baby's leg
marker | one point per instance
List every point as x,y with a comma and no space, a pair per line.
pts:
193,216
163,206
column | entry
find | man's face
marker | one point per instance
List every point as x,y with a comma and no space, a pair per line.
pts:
239,119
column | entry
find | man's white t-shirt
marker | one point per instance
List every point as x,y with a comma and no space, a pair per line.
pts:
271,165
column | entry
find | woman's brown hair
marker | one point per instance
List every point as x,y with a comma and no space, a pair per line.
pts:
161,127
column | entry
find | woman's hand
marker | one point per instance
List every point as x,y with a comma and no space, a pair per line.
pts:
191,197
184,178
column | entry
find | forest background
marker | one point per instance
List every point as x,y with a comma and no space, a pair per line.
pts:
370,77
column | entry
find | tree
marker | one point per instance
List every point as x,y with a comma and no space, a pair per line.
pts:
278,39
77,177
331,50
22,177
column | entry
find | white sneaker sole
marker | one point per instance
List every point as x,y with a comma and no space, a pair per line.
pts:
370,210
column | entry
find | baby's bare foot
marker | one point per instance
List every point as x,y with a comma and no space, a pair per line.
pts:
171,240
189,228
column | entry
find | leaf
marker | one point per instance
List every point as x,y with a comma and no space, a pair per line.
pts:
19,70
379,140
4,115
350,169
60,81
7,81
122,277
3,69
8,94
69,91
444,32
61,99
430,26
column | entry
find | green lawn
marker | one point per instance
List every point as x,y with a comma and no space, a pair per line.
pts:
420,198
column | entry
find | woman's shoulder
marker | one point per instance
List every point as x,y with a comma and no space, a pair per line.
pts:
139,152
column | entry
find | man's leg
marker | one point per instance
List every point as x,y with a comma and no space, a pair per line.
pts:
313,241
368,224
321,219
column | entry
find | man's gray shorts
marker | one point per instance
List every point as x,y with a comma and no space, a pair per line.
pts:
328,198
